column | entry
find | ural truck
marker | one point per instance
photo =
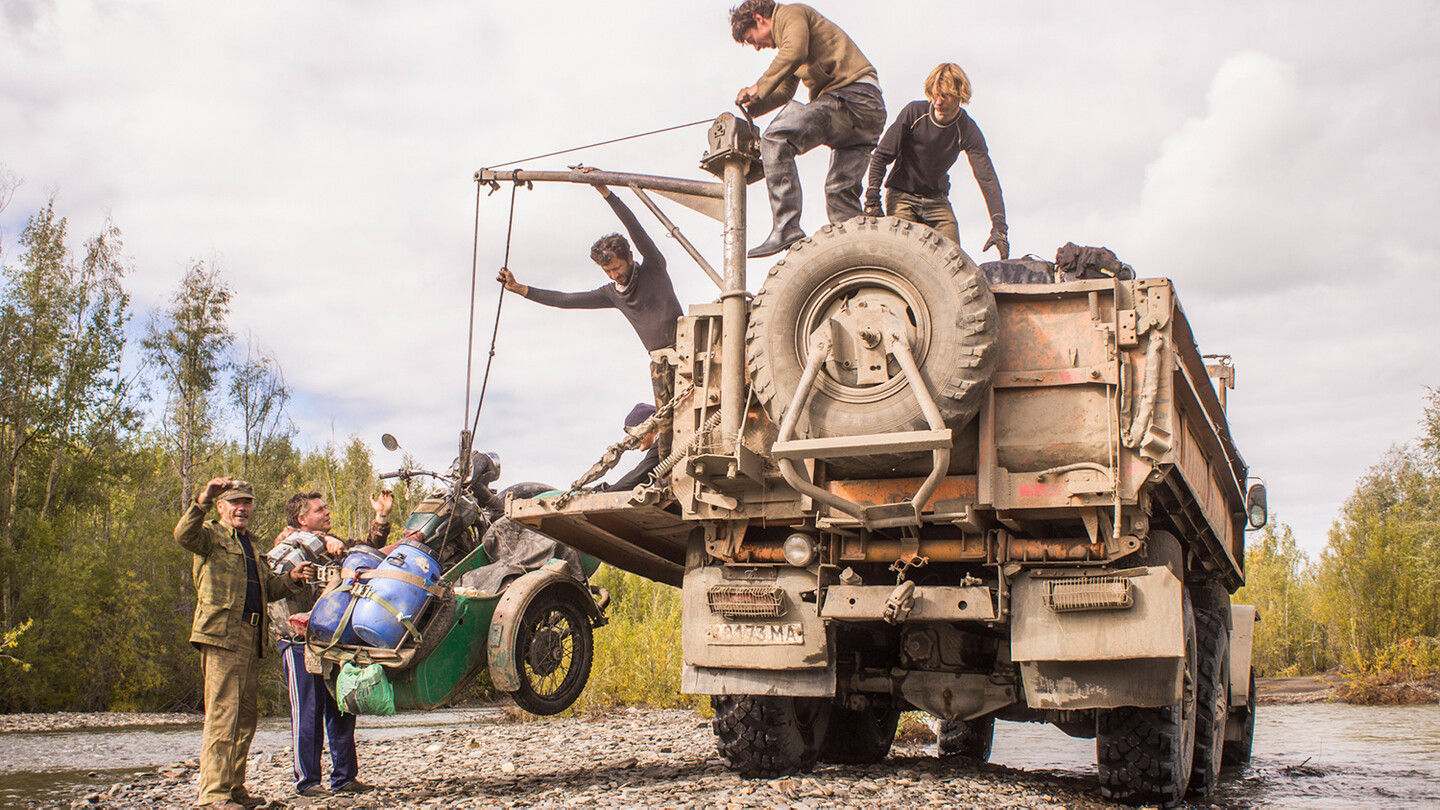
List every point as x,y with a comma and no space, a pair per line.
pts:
899,486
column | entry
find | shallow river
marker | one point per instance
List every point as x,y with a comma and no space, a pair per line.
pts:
1306,756
46,768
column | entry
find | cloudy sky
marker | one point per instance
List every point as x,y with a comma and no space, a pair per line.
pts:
1279,159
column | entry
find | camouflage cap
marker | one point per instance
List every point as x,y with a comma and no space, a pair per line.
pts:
237,491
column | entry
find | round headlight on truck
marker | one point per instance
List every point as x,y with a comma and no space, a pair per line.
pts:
799,549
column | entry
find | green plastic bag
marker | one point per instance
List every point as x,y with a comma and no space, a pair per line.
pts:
364,690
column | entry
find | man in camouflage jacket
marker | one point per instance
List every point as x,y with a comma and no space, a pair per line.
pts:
232,586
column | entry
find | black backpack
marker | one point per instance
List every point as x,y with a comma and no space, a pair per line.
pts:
1075,262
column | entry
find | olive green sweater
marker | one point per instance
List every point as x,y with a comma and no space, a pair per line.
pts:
812,50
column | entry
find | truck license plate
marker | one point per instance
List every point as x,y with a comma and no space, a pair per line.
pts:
754,634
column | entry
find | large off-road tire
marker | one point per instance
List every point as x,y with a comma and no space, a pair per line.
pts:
850,270
767,736
1145,754
554,648
860,737
1237,752
966,739
1212,701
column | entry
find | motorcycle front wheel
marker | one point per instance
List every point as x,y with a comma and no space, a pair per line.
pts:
555,646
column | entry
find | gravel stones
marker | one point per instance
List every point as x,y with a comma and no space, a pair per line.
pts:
636,757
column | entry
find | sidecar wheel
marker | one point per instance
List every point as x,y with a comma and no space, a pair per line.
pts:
554,647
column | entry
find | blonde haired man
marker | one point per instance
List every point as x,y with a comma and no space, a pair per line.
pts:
923,143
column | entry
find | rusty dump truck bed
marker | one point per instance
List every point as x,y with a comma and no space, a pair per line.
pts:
1101,417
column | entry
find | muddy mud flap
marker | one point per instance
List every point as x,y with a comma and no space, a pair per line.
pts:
754,631
1242,643
1094,642
500,646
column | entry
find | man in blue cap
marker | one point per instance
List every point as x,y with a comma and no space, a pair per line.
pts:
650,461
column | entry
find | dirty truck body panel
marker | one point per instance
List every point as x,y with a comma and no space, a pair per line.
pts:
1102,425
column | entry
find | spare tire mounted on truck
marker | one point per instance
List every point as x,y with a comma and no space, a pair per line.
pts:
855,279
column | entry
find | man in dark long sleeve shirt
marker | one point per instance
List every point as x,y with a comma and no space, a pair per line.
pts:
923,143
642,291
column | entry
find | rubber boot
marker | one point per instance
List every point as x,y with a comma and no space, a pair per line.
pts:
782,180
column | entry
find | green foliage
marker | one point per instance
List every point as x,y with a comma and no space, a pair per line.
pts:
1376,581
1279,582
637,655
187,346
10,639
1371,604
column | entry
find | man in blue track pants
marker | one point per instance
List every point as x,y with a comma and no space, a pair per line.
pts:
311,705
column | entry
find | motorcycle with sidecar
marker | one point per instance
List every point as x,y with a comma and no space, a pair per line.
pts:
464,589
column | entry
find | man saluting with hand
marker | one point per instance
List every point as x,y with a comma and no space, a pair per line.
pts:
231,589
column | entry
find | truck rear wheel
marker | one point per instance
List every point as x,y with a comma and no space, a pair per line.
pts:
767,735
1212,701
847,274
1145,754
863,736
966,739
1237,752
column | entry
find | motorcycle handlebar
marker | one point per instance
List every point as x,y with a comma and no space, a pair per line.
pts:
411,474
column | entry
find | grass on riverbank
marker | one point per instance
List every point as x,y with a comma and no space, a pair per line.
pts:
637,654
1406,673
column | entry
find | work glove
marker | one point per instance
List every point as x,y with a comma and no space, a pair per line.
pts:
872,203
999,241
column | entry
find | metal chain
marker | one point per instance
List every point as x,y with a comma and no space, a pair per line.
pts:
612,454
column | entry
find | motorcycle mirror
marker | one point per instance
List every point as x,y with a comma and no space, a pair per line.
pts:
389,442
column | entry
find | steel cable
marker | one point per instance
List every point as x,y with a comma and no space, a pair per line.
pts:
602,143
474,272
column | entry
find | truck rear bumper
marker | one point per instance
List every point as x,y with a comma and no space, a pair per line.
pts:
723,681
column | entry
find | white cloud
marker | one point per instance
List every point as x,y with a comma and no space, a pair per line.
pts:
1279,159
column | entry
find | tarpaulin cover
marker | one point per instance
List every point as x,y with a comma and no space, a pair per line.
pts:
516,550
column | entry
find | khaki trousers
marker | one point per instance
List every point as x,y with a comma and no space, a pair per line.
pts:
232,684
933,211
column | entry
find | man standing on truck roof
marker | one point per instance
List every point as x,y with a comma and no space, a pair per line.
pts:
923,143
311,704
643,293
231,589
845,113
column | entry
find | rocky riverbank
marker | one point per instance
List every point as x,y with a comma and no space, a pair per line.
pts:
1373,690
64,721
633,758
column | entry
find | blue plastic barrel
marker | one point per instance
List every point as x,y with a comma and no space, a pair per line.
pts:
374,623
330,609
